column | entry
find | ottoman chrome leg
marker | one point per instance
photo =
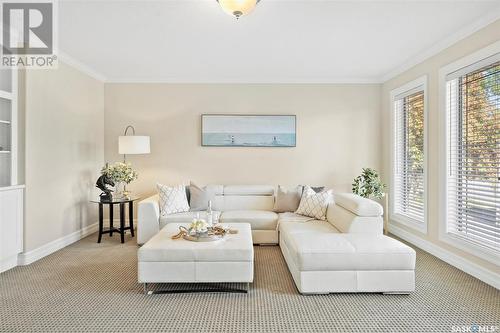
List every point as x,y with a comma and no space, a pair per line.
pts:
145,286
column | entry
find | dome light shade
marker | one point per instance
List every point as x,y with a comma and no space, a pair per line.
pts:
238,8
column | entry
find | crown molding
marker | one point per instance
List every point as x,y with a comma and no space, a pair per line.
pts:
222,80
443,44
69,60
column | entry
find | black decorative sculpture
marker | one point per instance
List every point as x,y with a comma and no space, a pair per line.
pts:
106,192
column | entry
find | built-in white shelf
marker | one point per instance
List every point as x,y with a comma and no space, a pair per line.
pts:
11,225
11,194
8,127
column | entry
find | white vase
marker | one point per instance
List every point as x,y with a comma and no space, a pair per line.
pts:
120,191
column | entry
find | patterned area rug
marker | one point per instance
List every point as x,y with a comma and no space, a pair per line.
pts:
90,287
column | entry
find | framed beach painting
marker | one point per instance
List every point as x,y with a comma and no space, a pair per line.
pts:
248,130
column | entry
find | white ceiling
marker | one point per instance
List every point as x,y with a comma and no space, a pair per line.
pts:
281,41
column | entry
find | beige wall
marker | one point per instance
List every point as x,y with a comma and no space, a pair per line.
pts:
338,133
64,152
431,67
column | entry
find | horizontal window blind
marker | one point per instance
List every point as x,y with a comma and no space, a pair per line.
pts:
409,156
473,195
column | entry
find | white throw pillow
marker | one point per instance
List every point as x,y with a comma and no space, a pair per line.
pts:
314,204
173,199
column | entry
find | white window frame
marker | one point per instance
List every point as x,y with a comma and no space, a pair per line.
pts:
415,85
451,239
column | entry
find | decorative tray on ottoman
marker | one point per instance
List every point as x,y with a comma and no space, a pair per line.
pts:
211,235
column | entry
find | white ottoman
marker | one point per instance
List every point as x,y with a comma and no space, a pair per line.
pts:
164,260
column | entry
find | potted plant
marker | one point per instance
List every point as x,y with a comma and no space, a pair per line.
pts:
369,185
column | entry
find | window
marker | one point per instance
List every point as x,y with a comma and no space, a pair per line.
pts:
472,195
408,185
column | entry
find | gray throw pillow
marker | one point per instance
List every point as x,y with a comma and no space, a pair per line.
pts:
287,200
316,189
199,197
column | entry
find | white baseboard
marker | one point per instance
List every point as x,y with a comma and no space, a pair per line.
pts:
44,250
49,248
487,276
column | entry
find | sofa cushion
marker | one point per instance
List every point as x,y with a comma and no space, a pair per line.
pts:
344,252
247,202
312,226
358,205
249,190
287,200
293,217
258,219
288,229
186,217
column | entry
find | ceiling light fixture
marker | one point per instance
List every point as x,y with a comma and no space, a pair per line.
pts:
238,8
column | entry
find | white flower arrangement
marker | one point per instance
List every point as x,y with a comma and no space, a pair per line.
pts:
120,172
198,226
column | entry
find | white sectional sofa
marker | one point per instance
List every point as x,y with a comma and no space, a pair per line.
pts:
254,205
346,253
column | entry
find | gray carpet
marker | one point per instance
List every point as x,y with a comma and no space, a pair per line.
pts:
89,287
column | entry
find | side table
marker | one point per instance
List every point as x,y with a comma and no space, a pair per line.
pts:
121,202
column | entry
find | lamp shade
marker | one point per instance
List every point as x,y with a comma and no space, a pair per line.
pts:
133,144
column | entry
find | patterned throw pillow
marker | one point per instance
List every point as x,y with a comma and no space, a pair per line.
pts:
316,189
314,204
173,199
